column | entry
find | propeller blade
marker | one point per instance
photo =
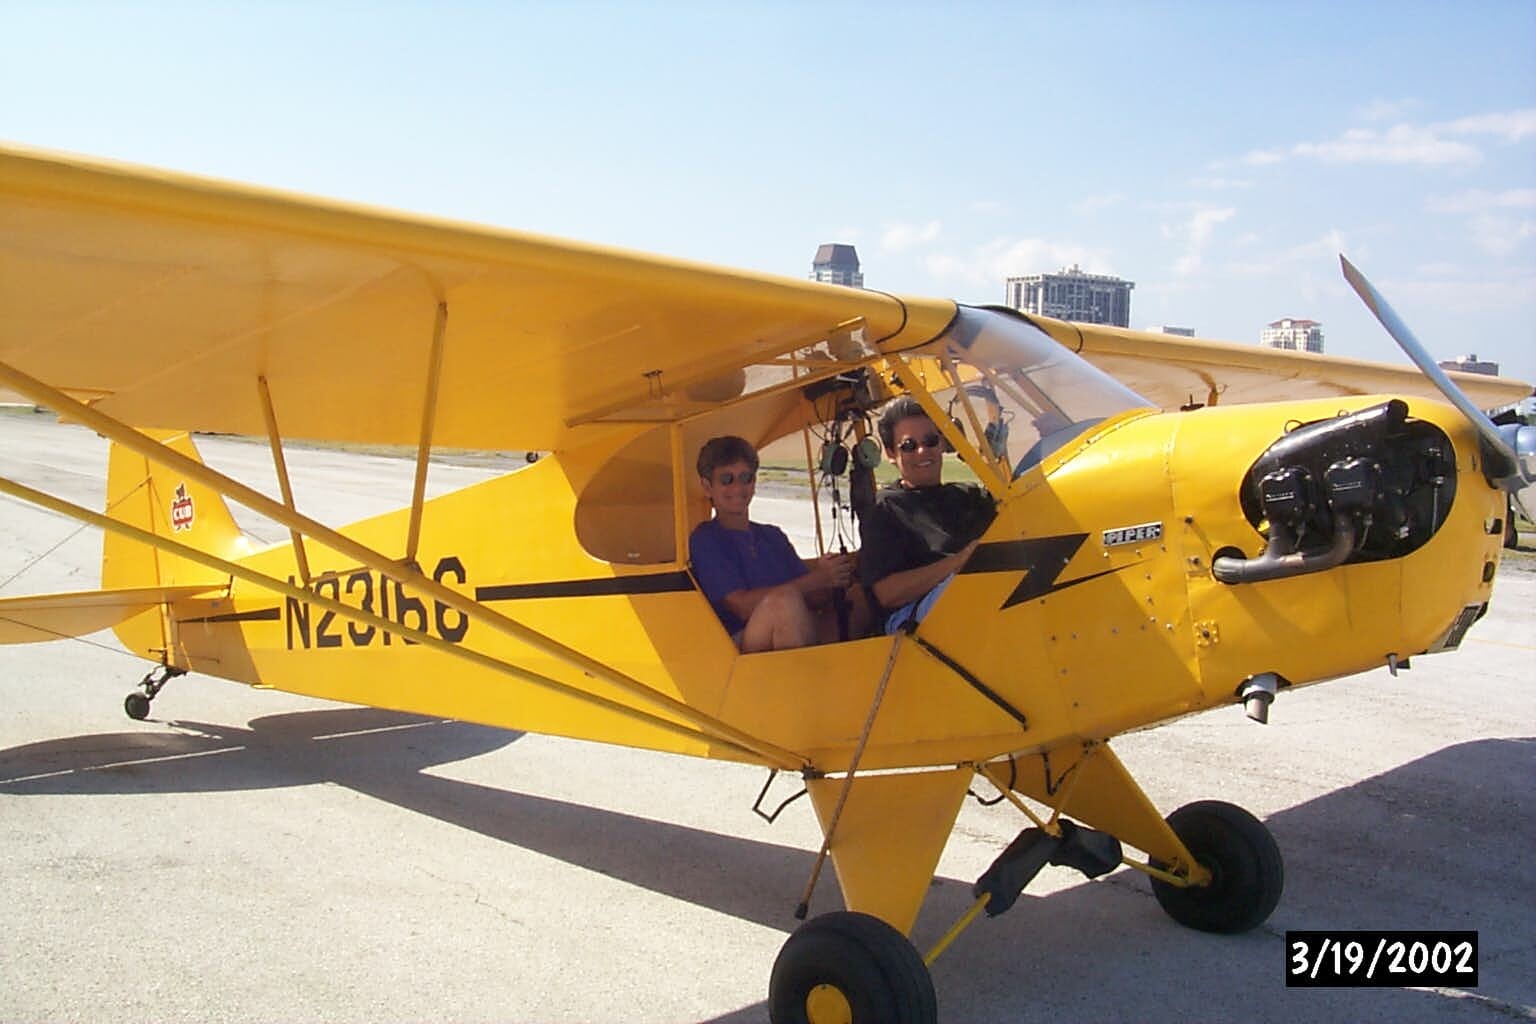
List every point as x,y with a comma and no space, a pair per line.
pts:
1522,474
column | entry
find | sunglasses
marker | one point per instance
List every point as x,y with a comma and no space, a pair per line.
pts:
727,478
912,444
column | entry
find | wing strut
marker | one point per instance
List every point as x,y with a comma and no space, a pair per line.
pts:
275,441
289,590
428,418
711,727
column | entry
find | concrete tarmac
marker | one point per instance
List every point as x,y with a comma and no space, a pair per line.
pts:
248,855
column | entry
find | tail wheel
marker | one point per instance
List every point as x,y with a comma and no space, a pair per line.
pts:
850,968
1247,873
137,706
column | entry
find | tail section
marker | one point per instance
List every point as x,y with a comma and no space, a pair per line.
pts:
151,497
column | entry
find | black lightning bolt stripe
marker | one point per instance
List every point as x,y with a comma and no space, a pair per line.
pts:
259,615
1040,558
652,583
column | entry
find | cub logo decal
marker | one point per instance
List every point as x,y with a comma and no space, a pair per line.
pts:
181,509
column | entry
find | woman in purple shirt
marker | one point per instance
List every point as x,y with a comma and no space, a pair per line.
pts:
762,590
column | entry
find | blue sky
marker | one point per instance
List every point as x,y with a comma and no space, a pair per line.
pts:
1220,155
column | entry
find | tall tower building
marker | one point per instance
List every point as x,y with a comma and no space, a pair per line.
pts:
836,263
1294,334
1073,295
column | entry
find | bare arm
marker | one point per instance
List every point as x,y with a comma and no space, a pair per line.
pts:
903,587
825,573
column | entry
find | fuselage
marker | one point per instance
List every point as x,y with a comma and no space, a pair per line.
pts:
1090,609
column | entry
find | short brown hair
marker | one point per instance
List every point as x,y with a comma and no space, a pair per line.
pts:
722,451
905,407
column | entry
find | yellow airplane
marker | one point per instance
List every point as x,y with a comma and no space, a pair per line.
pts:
1181,524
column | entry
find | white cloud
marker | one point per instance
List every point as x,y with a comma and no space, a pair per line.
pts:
1438,144
1493,224
1262,157
987,265
1481,201
1512,125
1400,144
901,237
1221,184
1385,110
1326,247
1103,201
988,206
1500,236
1456,292
1271,261
1195,232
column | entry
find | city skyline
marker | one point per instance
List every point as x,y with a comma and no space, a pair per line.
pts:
838,263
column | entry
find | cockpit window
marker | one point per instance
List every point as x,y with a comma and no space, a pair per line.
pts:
1017,392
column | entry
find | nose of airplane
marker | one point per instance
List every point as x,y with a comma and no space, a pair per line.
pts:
1522,441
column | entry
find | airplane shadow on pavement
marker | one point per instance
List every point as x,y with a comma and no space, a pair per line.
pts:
1438,843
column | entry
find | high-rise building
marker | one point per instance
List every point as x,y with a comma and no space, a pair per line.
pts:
1180,332
836,263
1073,295
1293,333
1470,364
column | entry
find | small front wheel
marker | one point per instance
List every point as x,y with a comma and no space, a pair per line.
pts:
1247,873
850,968
137,706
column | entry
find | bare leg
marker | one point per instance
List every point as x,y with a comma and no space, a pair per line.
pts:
781,620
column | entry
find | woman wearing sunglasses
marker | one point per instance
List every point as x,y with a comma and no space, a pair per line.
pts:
921,530
766,596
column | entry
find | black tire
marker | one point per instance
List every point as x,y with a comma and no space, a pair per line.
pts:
1247,873
137,706
872,965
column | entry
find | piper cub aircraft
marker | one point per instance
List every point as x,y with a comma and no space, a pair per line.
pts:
1232,522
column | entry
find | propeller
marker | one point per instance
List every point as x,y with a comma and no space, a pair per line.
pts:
1513,443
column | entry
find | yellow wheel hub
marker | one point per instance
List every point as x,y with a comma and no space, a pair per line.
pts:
826,1004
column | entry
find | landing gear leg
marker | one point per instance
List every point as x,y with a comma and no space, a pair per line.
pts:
136,704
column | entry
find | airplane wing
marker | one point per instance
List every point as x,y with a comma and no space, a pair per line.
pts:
1172,371
162,298
25,620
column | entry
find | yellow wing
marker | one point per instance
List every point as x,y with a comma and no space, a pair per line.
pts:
165,297
1171,371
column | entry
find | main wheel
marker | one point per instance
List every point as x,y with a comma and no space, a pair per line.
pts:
136,705
1247,873
850,968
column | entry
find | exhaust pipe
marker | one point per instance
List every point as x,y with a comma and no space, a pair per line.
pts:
1278,560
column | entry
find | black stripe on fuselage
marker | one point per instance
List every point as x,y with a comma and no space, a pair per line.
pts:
259,615
1040,558
653,583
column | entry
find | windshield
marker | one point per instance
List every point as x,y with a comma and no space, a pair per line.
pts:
1016,392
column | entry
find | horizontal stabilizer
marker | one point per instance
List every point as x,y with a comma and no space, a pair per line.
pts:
42,617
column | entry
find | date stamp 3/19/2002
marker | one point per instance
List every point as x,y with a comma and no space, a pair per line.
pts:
1348,959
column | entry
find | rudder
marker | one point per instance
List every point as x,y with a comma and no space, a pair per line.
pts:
160,500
